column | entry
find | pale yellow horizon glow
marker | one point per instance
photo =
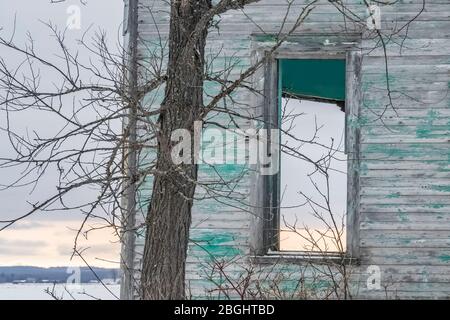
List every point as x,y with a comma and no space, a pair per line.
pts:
49,244
300,240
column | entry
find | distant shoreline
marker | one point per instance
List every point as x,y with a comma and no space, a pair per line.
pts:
50,275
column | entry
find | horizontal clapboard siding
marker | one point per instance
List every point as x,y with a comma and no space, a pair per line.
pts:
404,154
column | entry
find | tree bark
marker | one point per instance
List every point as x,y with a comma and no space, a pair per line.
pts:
169,215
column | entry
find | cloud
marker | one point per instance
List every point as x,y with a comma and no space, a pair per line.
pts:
20,247
27,225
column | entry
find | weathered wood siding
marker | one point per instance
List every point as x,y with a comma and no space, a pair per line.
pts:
404,205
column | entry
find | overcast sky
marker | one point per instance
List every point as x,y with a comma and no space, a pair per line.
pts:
46,240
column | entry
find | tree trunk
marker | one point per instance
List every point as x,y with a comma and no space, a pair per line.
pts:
169,215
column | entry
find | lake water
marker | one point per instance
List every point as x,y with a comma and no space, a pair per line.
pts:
36,291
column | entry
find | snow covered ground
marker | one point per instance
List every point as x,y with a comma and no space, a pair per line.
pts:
36,291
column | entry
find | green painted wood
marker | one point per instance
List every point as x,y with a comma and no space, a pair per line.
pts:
322,78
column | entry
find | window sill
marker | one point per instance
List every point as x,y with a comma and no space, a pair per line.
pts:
303,258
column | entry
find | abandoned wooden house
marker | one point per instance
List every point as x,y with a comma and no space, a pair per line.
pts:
380,73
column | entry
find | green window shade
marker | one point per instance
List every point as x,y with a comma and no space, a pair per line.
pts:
315,78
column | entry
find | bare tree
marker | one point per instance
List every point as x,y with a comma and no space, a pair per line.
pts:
97,153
